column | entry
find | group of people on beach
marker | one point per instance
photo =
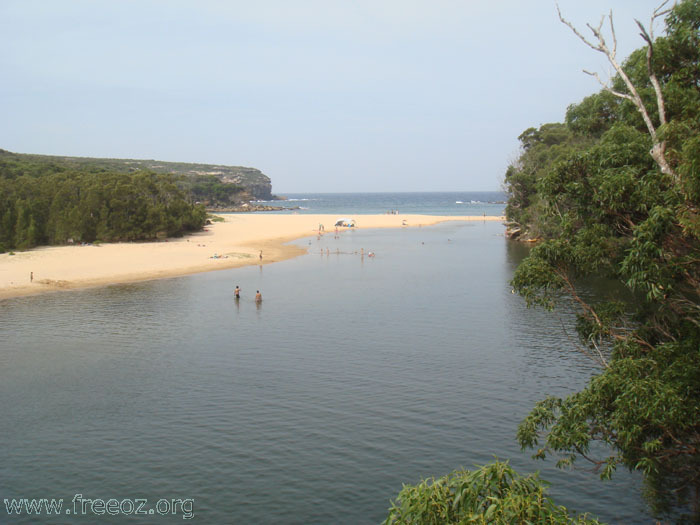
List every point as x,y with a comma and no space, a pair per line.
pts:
237,294
338,252
321,231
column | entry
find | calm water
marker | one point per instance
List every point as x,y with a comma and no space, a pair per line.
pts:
427,203
354,375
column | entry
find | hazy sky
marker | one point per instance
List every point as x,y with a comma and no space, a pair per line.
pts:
321,95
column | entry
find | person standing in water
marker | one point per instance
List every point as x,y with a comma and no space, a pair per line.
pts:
237,292
261,255
258,297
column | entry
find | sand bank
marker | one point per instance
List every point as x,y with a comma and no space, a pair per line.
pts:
237,241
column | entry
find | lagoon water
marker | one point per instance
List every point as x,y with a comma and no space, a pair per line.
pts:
355,375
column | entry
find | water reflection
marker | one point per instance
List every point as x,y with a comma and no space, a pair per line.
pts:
338,393
515,253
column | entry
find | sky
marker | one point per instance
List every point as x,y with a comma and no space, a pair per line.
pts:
320,95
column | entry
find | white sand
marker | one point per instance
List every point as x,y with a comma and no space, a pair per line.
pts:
240,238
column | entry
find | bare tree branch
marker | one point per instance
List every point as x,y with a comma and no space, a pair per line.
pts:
571,26
607,86
649,37
612,31
658,150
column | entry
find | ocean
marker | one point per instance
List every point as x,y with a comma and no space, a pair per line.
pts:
426,203
356,374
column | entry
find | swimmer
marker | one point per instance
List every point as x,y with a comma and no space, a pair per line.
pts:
258,297
237,292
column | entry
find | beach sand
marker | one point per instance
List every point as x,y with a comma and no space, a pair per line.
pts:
238,240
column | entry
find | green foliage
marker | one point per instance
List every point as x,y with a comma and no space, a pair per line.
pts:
210,190
542,148
48,204
494,494
251,180
645,407
594,115
606,209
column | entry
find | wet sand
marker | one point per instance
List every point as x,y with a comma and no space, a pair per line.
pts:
235,242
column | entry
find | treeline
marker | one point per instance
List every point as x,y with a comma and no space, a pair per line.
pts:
600,204
45,203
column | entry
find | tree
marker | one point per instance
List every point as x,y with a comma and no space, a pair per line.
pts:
42,204
658,150
627,206
542,148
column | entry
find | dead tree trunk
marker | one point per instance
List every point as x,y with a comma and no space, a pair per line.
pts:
658,150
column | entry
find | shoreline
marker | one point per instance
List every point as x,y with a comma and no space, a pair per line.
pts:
237,242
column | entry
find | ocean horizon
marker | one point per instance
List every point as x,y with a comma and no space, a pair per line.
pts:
490,203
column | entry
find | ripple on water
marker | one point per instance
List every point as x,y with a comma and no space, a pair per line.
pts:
352,377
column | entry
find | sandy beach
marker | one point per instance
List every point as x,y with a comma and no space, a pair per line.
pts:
235,242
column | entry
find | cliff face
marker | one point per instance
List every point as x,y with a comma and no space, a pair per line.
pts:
256,183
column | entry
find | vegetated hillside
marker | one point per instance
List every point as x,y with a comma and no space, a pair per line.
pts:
614,192
252,183
58,207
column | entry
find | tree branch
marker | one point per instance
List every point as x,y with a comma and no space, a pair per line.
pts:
607,87
571,26
658,150
588,309
612,31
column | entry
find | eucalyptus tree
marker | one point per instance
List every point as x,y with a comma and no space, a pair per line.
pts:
628,207
614,192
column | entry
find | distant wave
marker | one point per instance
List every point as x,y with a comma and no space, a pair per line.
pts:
429,203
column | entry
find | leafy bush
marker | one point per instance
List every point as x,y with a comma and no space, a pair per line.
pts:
493,494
